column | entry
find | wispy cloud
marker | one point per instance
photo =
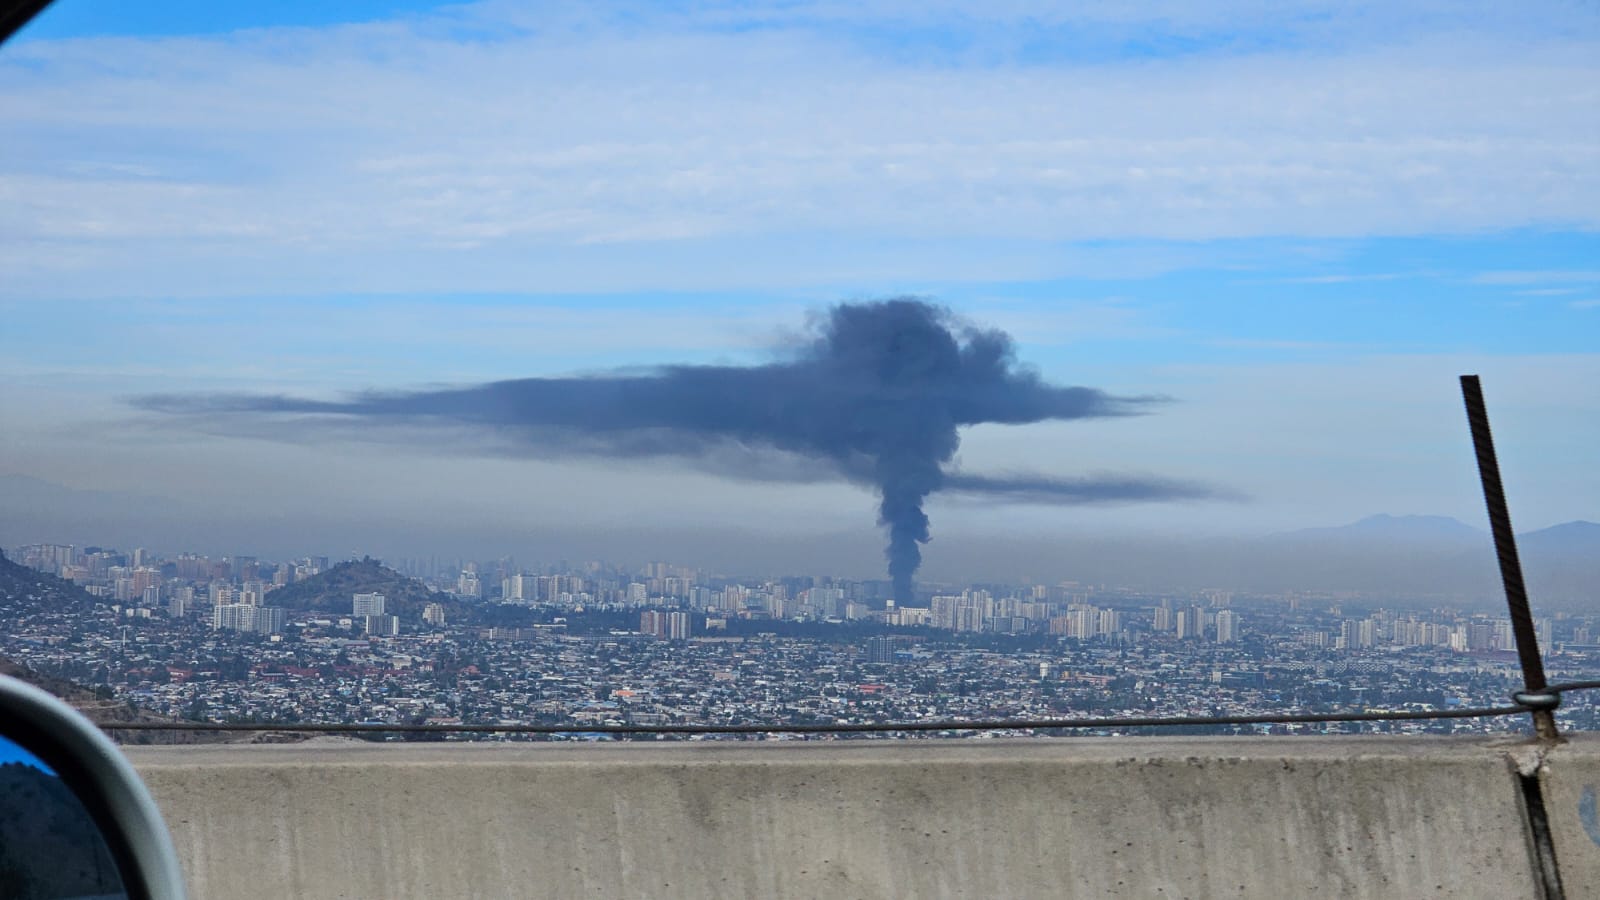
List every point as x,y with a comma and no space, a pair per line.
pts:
1293,346
1342,278
1538,276
733,146
1552,292
1062,322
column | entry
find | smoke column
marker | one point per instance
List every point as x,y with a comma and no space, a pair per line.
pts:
878,396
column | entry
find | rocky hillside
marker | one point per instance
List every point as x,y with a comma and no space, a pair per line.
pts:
25,590
329,592
100,708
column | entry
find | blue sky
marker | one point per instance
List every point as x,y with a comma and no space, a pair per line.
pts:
97,18
1263,210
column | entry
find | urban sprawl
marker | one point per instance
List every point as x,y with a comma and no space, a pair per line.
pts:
202,638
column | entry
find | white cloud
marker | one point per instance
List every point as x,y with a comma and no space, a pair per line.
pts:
1538,276
584,153
1336,438
1345,278
1054,322
1301,22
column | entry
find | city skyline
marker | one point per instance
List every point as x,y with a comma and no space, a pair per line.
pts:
1408,560
311,640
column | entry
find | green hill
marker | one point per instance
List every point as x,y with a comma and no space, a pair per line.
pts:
329,592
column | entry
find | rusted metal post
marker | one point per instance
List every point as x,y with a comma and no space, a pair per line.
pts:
1505,548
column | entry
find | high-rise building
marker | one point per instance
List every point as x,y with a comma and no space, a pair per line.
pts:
227,615
520,588
1163,617
268,620
253,593
379,625
144,576
248,618
50,558
1110,623
370,604
1357,634
909,616
1083,621
1227,626
433,614
673,626
1186,624
880,649
734,596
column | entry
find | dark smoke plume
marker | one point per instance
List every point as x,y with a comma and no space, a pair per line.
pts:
878,396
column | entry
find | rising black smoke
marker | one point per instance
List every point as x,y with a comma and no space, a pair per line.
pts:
878,396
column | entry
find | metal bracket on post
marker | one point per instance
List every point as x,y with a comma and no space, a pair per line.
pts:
1534,695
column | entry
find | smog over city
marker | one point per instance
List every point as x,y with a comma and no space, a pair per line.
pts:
878,395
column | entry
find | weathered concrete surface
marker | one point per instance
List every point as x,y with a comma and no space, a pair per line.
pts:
1148,817
1570,778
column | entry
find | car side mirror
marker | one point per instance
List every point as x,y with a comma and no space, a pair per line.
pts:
75,820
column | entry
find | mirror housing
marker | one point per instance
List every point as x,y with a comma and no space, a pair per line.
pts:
101,778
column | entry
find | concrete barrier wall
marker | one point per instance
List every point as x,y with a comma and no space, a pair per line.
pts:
1570,777
1148,817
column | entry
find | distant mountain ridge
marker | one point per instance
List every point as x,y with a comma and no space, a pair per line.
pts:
1438,529
1564,561
1561,563
1567,538
1575,536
